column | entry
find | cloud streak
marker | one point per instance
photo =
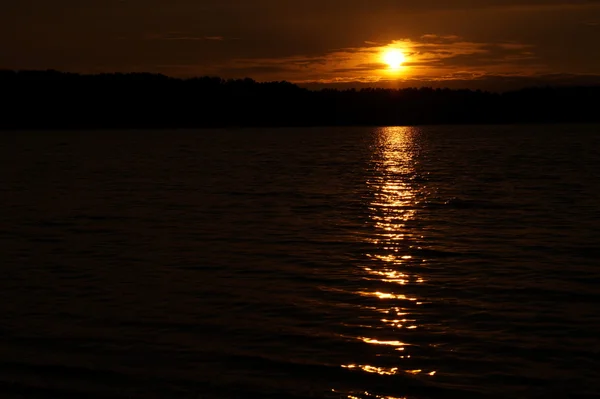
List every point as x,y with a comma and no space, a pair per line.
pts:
181,36
430,57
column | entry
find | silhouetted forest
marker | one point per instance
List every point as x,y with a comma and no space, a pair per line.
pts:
51,99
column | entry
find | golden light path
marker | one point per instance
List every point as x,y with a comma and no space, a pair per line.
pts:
390,266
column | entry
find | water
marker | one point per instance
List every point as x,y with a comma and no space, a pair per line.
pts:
426,262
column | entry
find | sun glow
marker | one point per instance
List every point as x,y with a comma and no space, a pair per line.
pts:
394,58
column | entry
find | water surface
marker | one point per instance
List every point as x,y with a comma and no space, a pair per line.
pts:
425,262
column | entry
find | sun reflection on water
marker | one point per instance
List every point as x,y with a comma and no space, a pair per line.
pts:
390,271
393,206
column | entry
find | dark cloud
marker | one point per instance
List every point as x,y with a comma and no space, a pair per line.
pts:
181,36
256,69
360,68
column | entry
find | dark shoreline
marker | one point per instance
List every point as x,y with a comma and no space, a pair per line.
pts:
273,127
47,100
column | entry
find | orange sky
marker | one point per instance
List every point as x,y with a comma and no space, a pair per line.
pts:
309,42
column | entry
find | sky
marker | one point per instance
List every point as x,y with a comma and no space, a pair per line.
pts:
489,44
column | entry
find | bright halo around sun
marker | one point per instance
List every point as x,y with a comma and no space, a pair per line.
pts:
394,58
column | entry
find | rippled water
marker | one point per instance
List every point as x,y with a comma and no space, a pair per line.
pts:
426,262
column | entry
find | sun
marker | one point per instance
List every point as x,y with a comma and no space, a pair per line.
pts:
394,58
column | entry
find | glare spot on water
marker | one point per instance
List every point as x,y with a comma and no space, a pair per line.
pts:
373,369
392,323
386,295
390,276
378,342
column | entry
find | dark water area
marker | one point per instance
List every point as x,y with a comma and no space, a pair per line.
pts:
425,262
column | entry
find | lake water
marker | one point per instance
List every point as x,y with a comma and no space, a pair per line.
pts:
425,262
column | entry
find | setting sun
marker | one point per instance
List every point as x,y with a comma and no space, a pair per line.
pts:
394,58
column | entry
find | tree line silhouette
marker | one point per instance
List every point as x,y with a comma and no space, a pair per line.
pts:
57,100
